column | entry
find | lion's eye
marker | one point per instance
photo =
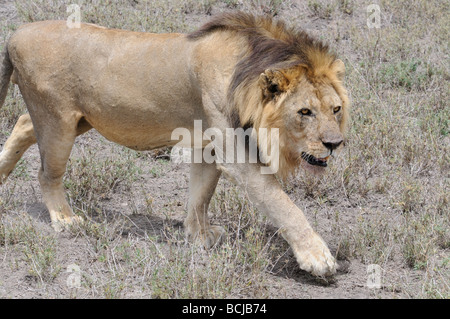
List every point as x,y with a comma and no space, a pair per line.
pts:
305,112
336,109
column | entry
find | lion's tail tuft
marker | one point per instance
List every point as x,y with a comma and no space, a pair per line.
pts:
6,69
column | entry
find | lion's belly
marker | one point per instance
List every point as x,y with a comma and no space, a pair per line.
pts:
138,139
142,128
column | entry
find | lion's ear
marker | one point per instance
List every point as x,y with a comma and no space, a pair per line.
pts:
273,83
339,68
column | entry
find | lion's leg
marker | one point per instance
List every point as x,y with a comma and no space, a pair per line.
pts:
22,137
55,140
266,193
203,181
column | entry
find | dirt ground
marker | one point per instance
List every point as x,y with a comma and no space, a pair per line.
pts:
147,208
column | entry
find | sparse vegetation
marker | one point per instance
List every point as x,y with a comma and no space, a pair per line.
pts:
384,201
321,9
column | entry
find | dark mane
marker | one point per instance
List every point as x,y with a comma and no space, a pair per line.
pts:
271,44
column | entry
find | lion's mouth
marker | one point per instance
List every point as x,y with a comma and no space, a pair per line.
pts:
314,160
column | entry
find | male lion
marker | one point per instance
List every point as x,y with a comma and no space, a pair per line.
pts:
136,88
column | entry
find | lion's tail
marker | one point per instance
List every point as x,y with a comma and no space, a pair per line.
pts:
6,70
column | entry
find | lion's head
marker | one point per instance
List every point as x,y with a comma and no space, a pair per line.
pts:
310,108
288,80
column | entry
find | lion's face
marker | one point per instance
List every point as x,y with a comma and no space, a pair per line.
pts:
311,116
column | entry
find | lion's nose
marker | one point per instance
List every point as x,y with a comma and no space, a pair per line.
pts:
332,145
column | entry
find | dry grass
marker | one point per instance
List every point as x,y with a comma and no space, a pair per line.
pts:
384,201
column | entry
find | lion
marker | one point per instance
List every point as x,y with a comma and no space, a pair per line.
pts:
135,88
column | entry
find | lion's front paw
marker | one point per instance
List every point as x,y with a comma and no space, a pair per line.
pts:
209,236
316,258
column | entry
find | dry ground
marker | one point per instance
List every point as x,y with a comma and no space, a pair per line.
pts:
384,201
